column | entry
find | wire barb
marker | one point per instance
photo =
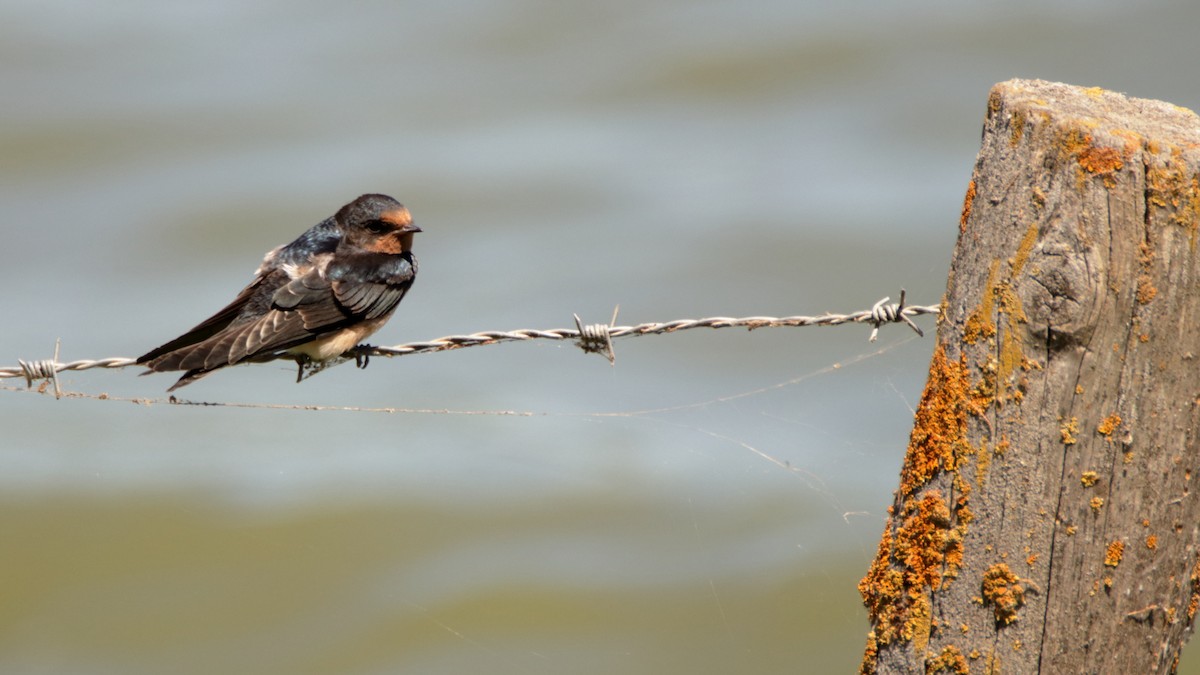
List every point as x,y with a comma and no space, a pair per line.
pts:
882,313
592,338
596,338
43,369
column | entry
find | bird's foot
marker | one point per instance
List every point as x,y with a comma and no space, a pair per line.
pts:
303,362
362,355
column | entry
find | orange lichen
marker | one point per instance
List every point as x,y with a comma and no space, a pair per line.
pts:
1151,542
870,655
968,203
994,100
1108,425
1145,291
1077,143
1072,143
950,660
1194,602
1089,478
1002,590
939,427
1096,503
1114,553
912,562
1100,160
921,542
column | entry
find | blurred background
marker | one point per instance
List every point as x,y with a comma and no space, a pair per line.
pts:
705,506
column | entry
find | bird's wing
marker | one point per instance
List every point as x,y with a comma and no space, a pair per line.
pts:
255,298
303,309
370,285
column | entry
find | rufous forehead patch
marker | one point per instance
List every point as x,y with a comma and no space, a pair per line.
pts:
399,217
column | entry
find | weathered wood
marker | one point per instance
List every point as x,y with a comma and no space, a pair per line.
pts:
1045,519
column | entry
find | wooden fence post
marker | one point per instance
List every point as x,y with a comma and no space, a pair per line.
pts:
1045,519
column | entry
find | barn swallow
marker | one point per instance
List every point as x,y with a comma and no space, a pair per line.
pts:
310,300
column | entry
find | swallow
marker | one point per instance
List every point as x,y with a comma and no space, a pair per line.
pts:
310,300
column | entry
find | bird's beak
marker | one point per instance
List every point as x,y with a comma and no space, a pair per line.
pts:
401,219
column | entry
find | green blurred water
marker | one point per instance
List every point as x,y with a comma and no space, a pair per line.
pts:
678,159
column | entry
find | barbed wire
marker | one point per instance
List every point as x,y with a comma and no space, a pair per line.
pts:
591,338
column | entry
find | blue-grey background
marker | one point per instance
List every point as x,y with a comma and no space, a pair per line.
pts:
680,159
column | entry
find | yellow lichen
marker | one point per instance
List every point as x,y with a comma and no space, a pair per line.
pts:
919,624
983,459
980,324
1069,430
1171,185
1018,128
1011,354
1089,478
1024,248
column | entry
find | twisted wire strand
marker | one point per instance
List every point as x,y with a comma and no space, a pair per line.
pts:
596,338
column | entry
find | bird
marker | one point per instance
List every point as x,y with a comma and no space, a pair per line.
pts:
311,300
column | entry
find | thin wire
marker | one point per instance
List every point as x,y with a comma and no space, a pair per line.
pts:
648,413
591,338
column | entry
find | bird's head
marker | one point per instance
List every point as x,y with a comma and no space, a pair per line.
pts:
376,223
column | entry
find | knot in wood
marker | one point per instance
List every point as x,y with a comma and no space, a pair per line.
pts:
1061,289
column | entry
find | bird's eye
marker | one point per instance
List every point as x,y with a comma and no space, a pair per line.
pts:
377,226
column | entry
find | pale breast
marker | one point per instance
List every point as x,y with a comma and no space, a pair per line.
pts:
338,342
